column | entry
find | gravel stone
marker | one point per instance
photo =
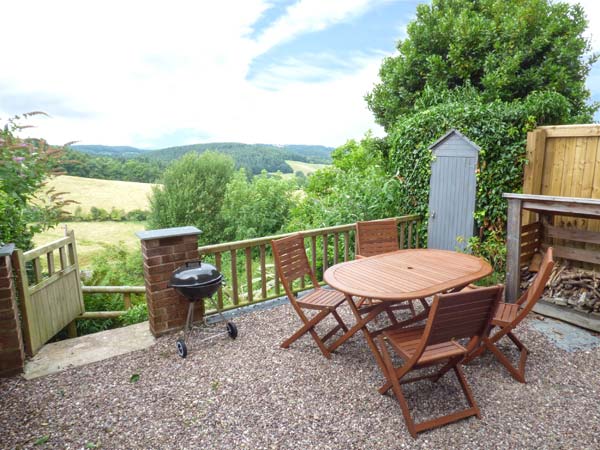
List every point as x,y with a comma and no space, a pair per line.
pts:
250,394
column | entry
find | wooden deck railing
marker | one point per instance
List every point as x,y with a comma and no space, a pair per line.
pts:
252,279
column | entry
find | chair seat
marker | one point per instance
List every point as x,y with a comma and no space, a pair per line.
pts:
406,341
322,298
505,314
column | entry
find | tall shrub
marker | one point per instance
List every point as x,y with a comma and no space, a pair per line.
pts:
25,164
192,193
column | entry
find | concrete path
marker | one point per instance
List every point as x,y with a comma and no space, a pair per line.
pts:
62,355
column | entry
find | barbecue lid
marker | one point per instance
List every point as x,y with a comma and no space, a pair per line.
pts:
195,274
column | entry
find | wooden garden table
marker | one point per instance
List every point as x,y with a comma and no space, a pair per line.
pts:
403,275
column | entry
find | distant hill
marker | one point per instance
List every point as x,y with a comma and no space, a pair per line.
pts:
109,150
134,164
317,154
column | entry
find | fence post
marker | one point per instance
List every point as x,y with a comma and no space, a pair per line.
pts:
162,252
12,354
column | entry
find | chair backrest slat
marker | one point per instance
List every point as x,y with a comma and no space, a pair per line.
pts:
535,291
376,237
291,260
464,314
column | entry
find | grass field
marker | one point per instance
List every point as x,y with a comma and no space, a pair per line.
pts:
106,194
94,236
306,168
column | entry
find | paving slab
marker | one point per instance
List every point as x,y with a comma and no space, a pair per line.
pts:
566,336
62,355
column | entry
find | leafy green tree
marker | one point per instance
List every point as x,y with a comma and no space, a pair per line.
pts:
192,193
504,49
256,208
356,187
25,164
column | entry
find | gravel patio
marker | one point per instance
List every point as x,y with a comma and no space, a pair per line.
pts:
249,393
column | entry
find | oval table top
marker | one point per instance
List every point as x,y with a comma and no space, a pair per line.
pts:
406,274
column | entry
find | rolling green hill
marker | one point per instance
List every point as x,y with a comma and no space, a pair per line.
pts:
134,164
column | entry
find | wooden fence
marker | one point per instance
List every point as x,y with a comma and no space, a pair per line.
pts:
326,246
564,161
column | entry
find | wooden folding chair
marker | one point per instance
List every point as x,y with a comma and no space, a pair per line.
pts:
374,238
292,264
509,315
452,317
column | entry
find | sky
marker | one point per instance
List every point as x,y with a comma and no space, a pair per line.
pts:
153,74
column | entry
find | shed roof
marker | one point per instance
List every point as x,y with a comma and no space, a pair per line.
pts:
450,133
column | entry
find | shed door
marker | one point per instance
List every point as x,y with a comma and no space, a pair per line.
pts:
452,197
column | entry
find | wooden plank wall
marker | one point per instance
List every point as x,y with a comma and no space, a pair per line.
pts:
564,161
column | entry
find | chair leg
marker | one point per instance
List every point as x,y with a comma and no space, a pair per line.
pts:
518,374
308,327
339,320
390,374
466,389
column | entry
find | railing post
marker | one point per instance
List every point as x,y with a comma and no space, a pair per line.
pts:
163,251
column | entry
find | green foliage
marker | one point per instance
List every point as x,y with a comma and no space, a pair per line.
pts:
25,164
192,194
355,187
256,208
136,314
493,249
503,49
115,167
499,128
102,215
114,266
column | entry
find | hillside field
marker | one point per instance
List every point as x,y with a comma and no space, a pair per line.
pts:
94,236
106,194
306,168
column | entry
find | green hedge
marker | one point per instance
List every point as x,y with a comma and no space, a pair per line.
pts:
499,128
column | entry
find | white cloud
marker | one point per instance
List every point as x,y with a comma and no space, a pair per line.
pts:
129,73
307,16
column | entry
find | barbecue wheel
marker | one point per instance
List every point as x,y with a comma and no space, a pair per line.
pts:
182,348
232,330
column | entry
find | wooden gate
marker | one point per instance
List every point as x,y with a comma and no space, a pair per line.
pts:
452,192
49,289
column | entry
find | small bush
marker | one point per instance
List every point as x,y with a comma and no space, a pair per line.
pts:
136,314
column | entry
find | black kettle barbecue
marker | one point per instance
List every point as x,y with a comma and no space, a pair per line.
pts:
197,280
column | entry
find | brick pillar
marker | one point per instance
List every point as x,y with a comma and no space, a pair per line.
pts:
12,354
163,251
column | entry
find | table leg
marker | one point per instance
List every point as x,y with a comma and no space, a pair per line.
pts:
360,321
362,324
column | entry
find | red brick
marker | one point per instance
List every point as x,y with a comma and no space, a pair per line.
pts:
185,247
153,270
150,243
175,240
153,261
5,282
10,340
192,255
7,320
6,293
11,360
6,304
159,251
159,281
160,295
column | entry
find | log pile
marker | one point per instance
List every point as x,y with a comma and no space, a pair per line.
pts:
569,286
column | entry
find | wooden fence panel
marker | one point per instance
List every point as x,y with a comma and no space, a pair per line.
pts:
564,161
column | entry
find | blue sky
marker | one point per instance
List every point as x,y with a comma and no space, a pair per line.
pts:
153,74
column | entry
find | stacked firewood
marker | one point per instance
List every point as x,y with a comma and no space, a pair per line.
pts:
570,286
